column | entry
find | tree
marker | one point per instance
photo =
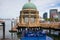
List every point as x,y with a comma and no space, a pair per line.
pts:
56,19
48,19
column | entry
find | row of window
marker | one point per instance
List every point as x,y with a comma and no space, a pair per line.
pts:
26,20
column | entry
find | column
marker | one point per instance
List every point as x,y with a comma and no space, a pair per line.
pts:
22,17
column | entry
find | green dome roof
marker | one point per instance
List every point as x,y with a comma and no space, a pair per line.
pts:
29,6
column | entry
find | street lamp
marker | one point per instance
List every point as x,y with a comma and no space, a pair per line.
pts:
12,21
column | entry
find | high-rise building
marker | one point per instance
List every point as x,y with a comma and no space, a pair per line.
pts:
45,15
58,15
53,13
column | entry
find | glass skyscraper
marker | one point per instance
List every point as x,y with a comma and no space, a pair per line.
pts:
45,15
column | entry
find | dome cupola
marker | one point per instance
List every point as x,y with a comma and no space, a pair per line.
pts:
29,5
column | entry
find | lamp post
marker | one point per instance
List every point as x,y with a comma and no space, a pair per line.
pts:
12,21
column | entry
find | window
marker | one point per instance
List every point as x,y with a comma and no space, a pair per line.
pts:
26,19
32,20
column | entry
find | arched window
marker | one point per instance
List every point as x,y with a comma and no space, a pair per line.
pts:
32,20
26,19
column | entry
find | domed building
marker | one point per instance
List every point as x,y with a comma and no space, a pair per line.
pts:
29,16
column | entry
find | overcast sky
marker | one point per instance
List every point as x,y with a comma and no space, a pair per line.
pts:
11,8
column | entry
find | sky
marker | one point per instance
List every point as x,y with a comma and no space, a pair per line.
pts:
12,8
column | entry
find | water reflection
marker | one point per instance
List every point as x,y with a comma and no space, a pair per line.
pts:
14,36
17,36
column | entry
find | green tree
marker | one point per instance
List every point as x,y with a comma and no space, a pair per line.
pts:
48,19
56,19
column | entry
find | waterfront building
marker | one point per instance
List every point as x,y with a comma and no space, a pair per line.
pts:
53,14
45,15
29,15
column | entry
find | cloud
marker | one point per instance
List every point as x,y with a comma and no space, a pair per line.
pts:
11,8
46,5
